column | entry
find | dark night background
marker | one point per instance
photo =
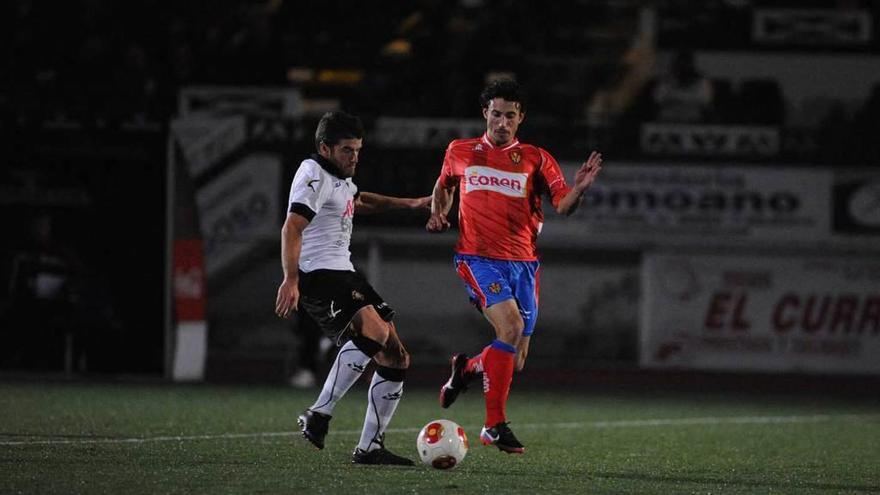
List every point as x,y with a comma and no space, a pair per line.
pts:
88,89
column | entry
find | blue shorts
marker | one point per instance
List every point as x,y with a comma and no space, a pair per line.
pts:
489,281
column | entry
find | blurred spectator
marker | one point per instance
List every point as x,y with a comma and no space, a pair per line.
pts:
724,102
761,102
56,307
620,87
42,277
684,94
312,353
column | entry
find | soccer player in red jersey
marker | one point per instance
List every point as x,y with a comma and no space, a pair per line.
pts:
500,183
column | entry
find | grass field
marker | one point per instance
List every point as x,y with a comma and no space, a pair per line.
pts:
136,438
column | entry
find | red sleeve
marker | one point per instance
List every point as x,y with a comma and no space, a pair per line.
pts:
553,177
448,177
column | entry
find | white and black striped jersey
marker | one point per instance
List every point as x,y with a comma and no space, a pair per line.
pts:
328,202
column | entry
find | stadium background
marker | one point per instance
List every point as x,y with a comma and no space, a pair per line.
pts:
136,135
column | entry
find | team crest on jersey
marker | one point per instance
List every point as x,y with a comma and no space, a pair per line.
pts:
357,296
515,156
495,288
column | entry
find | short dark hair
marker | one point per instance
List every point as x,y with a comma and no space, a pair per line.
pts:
336,126
508,89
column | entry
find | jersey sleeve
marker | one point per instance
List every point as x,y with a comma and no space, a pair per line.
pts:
307,191
447,178
553,178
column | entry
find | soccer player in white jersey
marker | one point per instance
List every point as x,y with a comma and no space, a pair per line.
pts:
320,278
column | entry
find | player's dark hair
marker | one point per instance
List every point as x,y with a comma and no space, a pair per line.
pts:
336,126
508,89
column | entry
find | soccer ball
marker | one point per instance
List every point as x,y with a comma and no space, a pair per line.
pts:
442,444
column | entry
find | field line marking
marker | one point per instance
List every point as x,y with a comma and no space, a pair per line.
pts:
624,423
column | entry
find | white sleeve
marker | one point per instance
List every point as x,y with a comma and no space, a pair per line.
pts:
308,188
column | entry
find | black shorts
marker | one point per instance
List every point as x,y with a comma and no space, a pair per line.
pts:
332,297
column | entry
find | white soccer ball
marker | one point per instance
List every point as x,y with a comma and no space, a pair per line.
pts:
442,444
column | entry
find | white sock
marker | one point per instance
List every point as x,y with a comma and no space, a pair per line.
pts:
348,367
382,399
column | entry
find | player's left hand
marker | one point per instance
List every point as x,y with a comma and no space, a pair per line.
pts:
588,171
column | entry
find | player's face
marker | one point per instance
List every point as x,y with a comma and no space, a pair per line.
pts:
502,120
344,155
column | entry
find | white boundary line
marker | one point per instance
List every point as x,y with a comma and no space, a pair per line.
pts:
625,423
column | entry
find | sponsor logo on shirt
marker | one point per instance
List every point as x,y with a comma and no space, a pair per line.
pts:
478,178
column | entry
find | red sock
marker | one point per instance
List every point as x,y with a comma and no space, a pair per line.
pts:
475,364
497,374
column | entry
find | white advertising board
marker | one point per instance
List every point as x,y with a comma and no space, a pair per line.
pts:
635,205
804,314
239,209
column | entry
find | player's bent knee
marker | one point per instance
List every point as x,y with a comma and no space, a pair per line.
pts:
367,345
375,329
396,358
510,334
515,327
404,360
377,336
401,357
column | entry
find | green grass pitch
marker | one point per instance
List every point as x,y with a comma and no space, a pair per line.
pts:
134,438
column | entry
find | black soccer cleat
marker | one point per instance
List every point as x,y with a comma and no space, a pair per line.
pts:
314,426
380,456
457,382
502,437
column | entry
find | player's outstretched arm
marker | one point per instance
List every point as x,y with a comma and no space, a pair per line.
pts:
585,176
291,244
368,202
441,203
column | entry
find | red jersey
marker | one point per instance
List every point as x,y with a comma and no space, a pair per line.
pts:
499,190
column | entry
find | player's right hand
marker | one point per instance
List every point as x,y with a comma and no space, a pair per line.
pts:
288,298
437,223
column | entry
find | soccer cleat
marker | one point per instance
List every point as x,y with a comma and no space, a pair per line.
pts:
314,426
502,437
380,456
457,382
